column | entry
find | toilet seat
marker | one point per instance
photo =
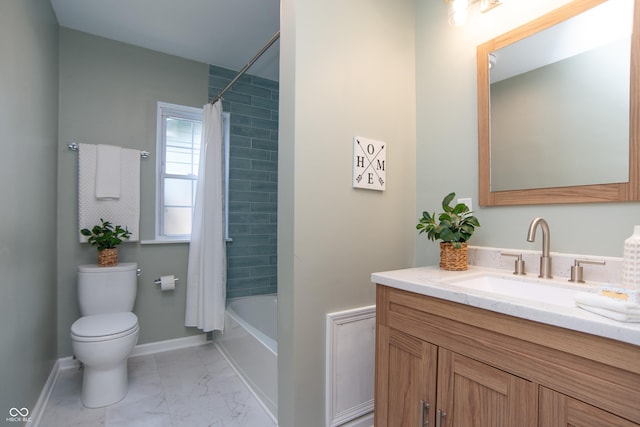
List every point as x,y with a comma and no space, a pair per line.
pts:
104,327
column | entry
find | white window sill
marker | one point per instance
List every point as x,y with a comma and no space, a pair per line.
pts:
163,242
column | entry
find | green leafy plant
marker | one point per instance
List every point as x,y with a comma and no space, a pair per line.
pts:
455,225
106,235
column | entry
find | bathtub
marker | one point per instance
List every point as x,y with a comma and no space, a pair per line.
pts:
250,344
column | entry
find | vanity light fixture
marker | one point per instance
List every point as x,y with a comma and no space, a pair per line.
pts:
459,9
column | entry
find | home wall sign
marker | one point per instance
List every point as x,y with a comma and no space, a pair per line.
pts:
369,164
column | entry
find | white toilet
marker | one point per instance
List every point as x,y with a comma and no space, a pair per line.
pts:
103,338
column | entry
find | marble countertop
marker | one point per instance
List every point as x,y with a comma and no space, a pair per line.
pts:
433,282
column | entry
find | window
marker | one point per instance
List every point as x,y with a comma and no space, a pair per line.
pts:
178,147
179,133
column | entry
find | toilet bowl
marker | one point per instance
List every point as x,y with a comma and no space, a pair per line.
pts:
103,342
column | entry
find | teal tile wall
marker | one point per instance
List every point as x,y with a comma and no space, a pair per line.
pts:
253,181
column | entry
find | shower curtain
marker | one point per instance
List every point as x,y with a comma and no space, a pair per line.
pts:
207,270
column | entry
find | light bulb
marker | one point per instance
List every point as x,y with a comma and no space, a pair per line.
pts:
458,12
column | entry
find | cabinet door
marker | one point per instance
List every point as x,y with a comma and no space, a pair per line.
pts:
473,394
558,410
405,376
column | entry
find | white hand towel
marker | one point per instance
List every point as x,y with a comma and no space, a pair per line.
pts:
620,317
124,211
617,309
108,167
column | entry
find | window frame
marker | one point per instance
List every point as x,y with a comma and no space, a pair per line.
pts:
188,113
165,110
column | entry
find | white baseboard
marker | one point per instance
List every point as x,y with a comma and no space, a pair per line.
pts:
41,404
148,348
363,421
166,345
139,350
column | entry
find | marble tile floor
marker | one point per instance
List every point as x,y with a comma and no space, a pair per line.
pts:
194,387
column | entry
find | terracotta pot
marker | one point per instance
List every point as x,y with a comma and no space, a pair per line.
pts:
453,259
108,257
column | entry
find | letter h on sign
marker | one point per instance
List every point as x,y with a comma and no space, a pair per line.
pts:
369,163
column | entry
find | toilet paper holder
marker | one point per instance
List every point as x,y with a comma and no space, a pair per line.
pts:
158,281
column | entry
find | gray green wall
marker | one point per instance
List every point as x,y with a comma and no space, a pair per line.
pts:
253,181
447,130
346,69
28,164
108,95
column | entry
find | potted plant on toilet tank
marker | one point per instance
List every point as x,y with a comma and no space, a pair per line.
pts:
454,226
106,237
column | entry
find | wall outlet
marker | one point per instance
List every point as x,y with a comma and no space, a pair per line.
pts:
467,201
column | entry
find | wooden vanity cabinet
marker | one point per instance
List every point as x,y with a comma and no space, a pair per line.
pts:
443,364
558,410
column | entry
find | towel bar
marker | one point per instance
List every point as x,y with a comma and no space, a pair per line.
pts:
74,147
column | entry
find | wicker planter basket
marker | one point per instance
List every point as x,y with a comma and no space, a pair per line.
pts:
453,259
108,257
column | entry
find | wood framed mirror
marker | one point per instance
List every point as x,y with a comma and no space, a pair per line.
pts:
615,189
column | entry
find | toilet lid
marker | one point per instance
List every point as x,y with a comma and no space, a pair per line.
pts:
103,325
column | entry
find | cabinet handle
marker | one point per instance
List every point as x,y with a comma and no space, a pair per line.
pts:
439,416
424,406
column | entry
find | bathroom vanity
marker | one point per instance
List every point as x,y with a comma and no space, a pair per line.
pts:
484,348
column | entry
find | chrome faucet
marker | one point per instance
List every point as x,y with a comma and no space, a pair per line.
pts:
545,259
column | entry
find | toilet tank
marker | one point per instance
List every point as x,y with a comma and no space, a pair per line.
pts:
107,289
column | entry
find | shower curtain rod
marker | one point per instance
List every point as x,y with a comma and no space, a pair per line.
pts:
244,69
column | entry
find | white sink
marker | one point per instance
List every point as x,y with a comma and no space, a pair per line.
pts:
524,289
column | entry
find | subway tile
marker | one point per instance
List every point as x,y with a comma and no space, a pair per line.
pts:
235,163
238,207
249,89
259,219
233,251
251,132
239,184
266,83
231,97
264,144
236,229
248,196
267,228
265,124
264,207
238,273
267,103
240,141
240,120
250,175
250,111
250,240
248,261
222,72
263,250
249,153
239,218
264,186
270,270
265,165
253,104
250,282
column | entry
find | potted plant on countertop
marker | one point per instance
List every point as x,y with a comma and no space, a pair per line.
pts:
454,227
106,237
